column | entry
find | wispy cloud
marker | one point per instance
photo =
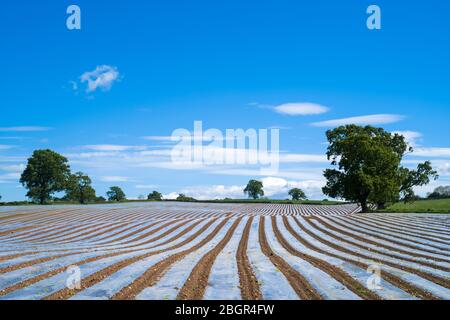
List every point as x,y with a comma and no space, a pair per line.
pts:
10,176
24,129
13,168
300,109
146,186
102,77
374,119
431,152
411,137
113,147
5,147
157,138
204,138
115,179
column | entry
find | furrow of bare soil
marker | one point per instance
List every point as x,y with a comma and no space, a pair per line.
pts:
102,242
333,271
425,224
155,272
28,282
248,282
380,234
13,231
15,216
33,262
300,285
108,271
124,233
195,286
14,256
401,224
152,232
394,241
164,234
38,230
32,216
95,234
62,269
390,248
398,282
62,234
110,249
382,226
85,235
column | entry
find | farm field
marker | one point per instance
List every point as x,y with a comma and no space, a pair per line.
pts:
163,251
435,206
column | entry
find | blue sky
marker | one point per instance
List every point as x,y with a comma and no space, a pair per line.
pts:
157,66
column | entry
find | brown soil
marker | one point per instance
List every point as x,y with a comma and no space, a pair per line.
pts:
338,274
12,232
300,285
154,274
195,286
380,233
392,228
405,286
106,272
248,282
393,249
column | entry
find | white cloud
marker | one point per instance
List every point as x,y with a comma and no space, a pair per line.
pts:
273,187
13,168
102,77
10,176
158,138
280,187
192,138
11,159
374,119
170,196
431,152
302,158
411,137
146,186
113,147
114,179
209,192
24,129
301,109
5,147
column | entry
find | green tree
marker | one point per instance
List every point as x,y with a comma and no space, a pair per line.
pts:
254,189
155,196
115,194
79,188
46,173
99,199
441,192
369,170
297,194
183,197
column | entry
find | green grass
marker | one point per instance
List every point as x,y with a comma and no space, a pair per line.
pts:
421,206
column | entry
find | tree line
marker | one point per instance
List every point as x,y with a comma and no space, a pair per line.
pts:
366,160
